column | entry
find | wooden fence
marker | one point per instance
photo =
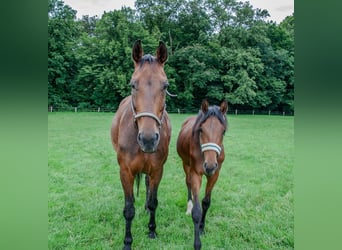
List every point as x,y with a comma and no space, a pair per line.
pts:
179,111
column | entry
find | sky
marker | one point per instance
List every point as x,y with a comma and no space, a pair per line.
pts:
278,9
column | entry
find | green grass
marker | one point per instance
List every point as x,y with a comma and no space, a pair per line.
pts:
252,201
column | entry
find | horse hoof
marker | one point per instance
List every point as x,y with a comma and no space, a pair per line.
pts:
152,235
127,247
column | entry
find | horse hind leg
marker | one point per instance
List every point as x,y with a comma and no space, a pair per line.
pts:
207,200
190,204
188,185
147,184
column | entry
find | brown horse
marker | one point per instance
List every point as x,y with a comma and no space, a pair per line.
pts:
200,145
141,133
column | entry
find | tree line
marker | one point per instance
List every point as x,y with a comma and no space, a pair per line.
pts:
218,49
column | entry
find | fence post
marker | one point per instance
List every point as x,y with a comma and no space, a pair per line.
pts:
98,110
253,112
178,111
235,111
283,113
50,108
75,109
269,112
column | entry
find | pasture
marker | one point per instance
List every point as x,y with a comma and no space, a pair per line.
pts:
252,201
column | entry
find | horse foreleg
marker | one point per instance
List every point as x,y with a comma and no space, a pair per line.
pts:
207,199
188,185
205,205
196,210
129,210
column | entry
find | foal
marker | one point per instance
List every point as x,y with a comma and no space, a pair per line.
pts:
200,145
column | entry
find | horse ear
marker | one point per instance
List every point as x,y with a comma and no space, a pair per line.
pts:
137,51
161,53
224,107
204,106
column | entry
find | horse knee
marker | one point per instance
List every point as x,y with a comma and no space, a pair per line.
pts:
129,211
206,203
152,204
196,213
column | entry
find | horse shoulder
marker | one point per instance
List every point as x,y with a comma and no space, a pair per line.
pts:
117,121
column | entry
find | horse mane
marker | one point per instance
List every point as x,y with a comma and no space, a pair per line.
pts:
202,117
147,58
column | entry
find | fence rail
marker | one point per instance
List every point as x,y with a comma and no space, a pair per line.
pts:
179,111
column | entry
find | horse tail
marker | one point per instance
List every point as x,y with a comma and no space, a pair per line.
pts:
138,179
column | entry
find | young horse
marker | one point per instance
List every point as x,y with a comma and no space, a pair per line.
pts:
141,133
200,145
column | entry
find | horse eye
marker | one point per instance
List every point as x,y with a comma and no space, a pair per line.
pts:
165,85
133,85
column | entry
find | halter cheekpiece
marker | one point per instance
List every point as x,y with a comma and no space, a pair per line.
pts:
147,114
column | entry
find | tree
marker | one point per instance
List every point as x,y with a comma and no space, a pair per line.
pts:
218,49
62,66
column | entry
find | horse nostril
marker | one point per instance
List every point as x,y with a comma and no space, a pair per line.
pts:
157,136
139,137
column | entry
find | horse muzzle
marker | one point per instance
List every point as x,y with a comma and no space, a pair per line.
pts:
148,142
209,169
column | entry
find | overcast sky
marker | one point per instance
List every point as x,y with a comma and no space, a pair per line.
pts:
278,9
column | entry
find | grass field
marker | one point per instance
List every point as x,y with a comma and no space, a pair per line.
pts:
252,201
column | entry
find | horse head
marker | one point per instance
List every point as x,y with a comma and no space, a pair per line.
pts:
149,85
211,131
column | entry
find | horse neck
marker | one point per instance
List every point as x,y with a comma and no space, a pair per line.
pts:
194,133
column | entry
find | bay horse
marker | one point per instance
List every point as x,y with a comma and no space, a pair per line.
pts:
141,132
200,146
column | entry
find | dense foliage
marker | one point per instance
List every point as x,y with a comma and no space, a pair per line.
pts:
218,49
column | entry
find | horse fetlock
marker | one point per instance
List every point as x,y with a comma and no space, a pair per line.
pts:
152,234
127,247
128,243
201,228
197,245
196,215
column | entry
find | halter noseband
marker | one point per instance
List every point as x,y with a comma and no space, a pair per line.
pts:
147,114
211,146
